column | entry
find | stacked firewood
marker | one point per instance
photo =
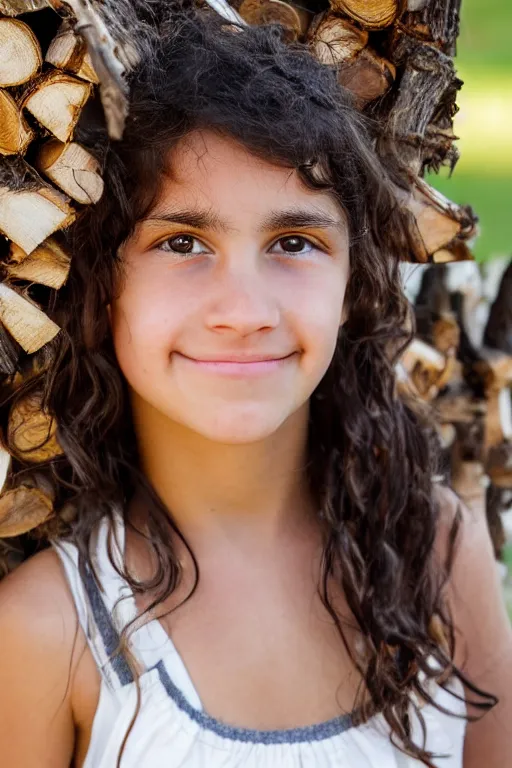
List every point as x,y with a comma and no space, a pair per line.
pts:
395,56
460,363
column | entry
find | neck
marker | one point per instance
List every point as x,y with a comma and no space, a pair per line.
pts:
219,494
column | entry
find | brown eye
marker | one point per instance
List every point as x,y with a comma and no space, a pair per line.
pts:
186,245
181,243
294,244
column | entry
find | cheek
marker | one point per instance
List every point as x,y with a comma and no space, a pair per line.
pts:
318,309
144,319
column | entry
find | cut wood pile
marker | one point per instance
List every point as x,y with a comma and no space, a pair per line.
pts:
460,363
395,56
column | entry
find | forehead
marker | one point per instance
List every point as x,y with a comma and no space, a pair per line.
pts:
207,168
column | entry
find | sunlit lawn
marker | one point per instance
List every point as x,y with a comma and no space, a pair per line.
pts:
483,176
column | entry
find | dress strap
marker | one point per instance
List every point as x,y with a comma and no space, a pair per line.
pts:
105,608
95,604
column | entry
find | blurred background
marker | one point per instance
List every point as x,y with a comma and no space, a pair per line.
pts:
483,175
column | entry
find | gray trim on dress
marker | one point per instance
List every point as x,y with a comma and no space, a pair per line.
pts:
110,637
108,632
325,730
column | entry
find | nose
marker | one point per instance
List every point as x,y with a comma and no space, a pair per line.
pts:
243,302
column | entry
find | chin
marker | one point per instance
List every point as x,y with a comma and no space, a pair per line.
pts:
237,426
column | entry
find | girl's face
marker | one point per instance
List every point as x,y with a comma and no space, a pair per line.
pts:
229,309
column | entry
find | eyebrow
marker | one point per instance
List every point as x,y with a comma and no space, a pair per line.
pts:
291,218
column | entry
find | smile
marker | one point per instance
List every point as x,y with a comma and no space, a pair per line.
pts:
237,368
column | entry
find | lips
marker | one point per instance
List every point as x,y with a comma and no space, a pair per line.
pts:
242,359
239,367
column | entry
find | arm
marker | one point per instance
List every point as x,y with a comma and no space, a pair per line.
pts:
483,637
39,647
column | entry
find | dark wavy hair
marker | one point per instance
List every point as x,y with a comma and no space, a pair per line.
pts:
371,463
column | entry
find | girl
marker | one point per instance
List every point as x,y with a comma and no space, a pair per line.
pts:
258,569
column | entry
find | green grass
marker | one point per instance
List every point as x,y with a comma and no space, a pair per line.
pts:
483,176
484,38
491,199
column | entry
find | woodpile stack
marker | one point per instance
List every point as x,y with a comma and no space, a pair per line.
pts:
395,56
460,363
50,56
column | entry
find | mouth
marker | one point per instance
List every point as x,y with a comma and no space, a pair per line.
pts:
239,367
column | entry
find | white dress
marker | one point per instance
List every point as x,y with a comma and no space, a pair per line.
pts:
172,730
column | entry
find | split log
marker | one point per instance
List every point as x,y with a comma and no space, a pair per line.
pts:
372,14
333,39
369,76
20,53
439,221
295,20
428,370
418,121
15,134
439,17
26,323
457,251
48,265
56,100
17,7
31,431
69,52
30,209
73,169
9,353
22,509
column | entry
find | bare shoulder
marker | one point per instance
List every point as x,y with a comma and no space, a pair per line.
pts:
467,523
483,634
40,643
35,600
474,589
